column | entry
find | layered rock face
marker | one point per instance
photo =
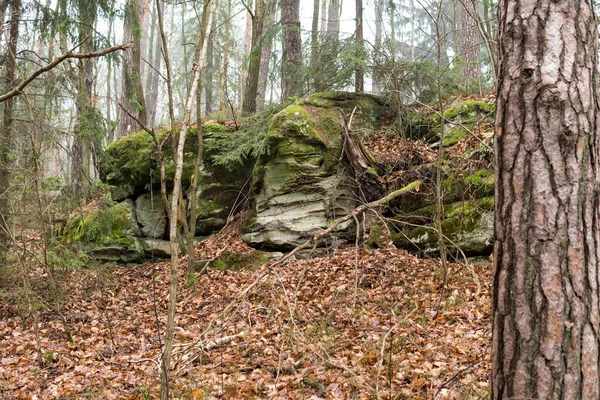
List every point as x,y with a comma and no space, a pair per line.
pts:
301,185
139,220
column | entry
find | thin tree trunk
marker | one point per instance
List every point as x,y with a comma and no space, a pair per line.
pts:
378,48
546,319
247,47
323,16
132,92
469,41
225,62
174,243
6,128
154,87
250,94
333,20
359,73
267,47
314,42
208,89
291,60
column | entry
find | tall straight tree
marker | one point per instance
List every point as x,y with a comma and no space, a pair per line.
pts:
314,41
469,41
8,84
249,100
359,73
132,91
269,30
378,48
80,156
291,60
546,319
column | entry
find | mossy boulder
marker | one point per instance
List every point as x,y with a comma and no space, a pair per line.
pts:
468,226
132,168
300,185
459,118
237,262
107,232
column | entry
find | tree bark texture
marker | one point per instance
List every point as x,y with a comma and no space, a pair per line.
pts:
546,282
291,61
469,40
132,92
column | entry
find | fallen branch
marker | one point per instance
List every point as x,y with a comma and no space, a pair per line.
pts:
69,54
266,270
186,360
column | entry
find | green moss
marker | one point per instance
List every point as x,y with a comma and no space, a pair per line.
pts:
377,236
468,110
464,216
454,135
132,163
238,262
101,226
481,183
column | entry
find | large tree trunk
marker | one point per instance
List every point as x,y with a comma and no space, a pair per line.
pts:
132,92
469,41
249,104
6,127
291,60
546,254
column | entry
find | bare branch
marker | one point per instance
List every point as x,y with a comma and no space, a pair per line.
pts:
69,54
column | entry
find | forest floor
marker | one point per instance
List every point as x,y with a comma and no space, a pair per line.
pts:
353,325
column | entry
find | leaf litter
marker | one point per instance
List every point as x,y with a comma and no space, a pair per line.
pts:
355,324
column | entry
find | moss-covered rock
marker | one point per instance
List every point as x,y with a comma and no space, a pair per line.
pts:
106,232
300,186
467,225
237,262
132,168
459,118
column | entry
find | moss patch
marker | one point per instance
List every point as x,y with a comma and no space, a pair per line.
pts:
238,262
132,163
101,226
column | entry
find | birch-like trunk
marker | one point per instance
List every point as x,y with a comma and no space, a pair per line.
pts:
174,243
